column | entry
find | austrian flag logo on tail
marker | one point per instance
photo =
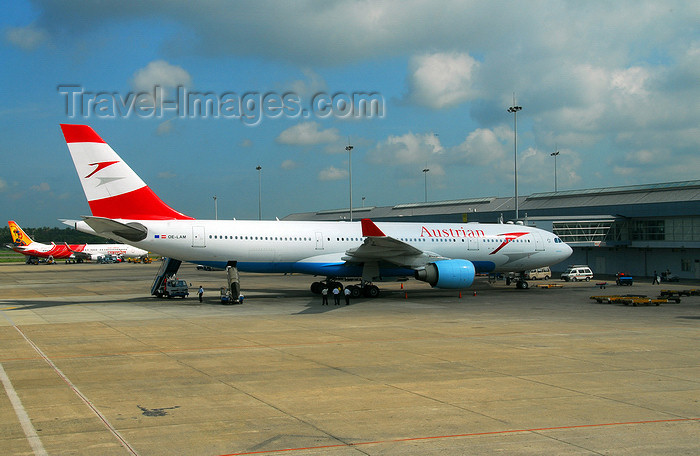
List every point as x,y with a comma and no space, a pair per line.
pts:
507,237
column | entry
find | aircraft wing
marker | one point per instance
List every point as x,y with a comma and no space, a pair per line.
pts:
78,255
380,247
131,231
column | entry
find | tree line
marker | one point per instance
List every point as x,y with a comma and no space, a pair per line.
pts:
47,235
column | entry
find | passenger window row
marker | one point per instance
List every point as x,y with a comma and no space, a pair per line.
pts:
259,238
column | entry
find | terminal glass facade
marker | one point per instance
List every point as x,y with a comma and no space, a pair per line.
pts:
673,229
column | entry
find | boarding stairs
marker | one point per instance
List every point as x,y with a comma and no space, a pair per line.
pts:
167,269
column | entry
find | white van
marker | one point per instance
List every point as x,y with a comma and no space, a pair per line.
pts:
577,272
539,273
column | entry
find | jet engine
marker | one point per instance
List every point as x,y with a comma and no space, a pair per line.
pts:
447,274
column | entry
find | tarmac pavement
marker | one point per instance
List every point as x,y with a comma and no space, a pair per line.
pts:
91,364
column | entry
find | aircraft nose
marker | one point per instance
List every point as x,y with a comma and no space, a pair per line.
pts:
567,251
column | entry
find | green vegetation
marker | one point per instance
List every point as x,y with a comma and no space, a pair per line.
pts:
8,256
51,234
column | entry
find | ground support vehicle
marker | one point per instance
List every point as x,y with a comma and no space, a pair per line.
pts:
624,279
172,288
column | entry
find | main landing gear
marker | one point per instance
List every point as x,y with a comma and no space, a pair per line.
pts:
520,282
362,289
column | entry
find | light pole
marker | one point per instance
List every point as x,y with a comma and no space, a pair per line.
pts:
259,168
216,209
554,154
514,109
349,149
425,173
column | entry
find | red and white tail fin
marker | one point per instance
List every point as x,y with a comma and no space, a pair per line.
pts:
111,187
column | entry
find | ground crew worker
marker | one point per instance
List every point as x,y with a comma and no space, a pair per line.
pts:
324,296
200,292
347,296
336,295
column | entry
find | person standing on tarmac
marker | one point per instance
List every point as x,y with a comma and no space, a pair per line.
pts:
336,295
200,292
347,296
324,296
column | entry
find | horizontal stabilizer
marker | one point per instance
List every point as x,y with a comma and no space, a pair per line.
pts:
79,225
131,231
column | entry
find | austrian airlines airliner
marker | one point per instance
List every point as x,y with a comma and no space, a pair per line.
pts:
22,243
444,255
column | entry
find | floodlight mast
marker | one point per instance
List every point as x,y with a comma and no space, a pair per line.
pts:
514,109
349,149
425,172
259,168
555,154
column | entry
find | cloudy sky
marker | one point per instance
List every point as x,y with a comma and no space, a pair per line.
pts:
614,86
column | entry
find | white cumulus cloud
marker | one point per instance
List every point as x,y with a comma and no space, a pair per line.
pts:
160,73
485,146
165,128
332,173
166,175
308,87
406,149
307,134
443,79
288,164
26,38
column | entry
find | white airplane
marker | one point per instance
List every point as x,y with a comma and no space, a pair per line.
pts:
22,243
444,255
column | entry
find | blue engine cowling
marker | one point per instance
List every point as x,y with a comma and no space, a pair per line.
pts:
447,274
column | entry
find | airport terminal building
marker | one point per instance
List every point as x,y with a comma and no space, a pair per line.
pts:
636,229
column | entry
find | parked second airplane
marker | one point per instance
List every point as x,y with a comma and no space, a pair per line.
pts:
444,255
22,243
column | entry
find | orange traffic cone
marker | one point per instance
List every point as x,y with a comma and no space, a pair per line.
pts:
405,295
460,294
474,292
402,286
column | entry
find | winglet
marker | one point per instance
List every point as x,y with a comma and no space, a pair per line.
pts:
370,229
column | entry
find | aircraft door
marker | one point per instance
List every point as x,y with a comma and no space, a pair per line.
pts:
539,244
198,239
319,240
473,243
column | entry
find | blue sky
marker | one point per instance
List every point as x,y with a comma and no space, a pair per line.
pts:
613,87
